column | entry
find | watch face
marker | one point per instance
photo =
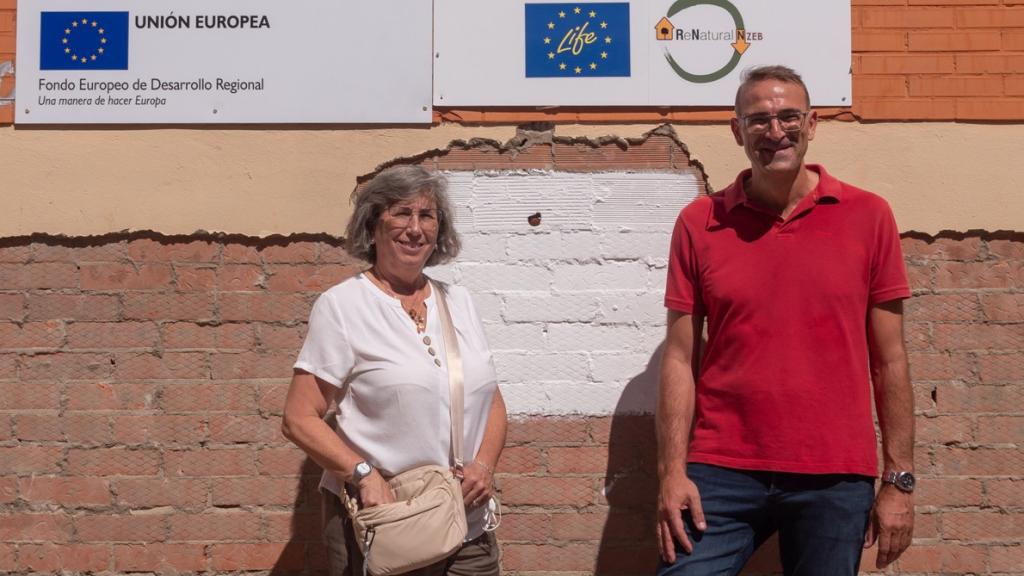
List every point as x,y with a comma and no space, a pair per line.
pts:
362,469
905,481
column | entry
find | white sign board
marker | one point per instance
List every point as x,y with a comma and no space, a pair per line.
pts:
639,53
230,61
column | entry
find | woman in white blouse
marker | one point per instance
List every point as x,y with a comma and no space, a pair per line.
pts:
374,355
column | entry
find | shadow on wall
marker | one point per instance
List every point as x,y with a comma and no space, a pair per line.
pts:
628,544
304,553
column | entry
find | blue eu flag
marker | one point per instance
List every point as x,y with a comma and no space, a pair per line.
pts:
83,41
577,40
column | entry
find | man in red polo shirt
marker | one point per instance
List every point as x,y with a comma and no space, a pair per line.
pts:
768,428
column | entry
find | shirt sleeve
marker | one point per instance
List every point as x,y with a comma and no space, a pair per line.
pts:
682,288
888,271
326,353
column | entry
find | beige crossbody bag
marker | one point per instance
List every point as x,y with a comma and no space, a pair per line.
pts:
427,520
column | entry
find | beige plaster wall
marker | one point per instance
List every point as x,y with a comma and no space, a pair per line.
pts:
937,176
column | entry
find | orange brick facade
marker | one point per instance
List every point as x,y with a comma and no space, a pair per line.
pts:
142,379
937,60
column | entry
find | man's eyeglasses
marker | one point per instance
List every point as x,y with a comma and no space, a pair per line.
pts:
401,216
789,121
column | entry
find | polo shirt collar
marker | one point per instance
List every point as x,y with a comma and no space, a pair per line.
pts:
828,187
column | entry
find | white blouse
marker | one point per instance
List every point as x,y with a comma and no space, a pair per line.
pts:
393,403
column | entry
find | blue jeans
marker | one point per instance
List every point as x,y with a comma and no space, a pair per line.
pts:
820,518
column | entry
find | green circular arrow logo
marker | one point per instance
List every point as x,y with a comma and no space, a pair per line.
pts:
739,46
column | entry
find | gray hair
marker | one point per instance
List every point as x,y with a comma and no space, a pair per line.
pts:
393,185
777,72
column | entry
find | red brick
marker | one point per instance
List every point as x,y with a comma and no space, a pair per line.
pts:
918,336
209,397
66,366
1006,559
287,338
271,398
110,396
260,491
288,461
959,41
112,462
170,365
146,250
25,527
521,460
652,154
146,527
905,109
524,527
87,428
277,556
989,63
547,430
110,252
979,275
942,248
1001,368
990,17
488,158
1001,429
23,460
165,558
944,430
38,427
878,42
235,277
32,335
15,254
578,460
546,491
248,365
259,307
29,396
300,252
215,526
195,278
12,307
239,254
40,276
165,430
940,366
948,492
883,86
549,557
118,276
107,335
184,335
893,17
221,462
8,489
1014,84
67,492
7,557
983,337
956,86
231,429
307,277
182,493
176,306
80,307
943,308
1004,492
330,254
65,557
949,558
978,461
295,526
990,109
1009,249
8,368
982,525
961,399
621,527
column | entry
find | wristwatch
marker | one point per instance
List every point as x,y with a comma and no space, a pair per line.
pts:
362,470
903,480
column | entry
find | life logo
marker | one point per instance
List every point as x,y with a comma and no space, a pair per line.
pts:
738,37
83,41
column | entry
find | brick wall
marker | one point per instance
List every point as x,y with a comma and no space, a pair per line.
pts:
912,60
142,379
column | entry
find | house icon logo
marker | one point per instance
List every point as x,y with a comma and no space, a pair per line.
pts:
664,28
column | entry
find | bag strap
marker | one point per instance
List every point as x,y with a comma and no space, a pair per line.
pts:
455,376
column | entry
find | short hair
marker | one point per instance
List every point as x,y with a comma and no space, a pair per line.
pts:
777,72
393,185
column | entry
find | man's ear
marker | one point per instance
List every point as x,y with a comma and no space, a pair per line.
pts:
812,124
737,131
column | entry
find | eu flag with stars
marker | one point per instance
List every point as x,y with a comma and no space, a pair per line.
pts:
83,41
577,40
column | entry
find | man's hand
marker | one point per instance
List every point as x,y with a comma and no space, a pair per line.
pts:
677,493
374,490
477,484
891,523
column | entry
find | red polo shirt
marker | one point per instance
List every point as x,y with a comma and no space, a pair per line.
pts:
784,381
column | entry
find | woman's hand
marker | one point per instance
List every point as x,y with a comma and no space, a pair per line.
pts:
477,484
374,490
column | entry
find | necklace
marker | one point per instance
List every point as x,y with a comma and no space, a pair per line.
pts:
417,309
